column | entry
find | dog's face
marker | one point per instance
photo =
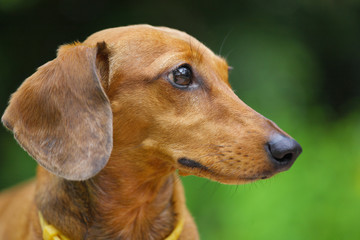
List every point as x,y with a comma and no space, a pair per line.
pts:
173,94
170,96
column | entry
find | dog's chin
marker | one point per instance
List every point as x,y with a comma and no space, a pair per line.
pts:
190,167
231,180
212,177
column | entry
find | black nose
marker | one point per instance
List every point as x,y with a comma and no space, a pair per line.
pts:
283,151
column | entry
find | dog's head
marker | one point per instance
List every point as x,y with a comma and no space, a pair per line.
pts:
157,90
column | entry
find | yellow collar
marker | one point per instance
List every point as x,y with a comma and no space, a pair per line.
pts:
51,233
177,230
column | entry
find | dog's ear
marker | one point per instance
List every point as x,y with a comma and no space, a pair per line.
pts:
61,115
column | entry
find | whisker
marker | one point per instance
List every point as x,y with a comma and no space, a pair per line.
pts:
227,55
223,42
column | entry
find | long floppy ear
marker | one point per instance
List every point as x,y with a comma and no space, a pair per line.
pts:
61,116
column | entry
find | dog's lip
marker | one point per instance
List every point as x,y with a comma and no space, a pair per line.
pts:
191,167
189,163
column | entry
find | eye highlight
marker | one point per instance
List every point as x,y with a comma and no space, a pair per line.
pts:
181,77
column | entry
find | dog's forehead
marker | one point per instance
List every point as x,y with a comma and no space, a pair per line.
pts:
136,34
150,42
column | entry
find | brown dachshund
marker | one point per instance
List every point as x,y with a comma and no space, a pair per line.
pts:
111,119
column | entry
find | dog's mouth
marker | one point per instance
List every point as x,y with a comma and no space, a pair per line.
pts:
192,164
191,167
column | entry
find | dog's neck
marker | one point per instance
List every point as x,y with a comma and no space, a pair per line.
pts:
133,205
126,200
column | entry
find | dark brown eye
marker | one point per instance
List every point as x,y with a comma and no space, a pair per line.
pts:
181,77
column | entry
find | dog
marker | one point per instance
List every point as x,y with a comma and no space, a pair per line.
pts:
111,119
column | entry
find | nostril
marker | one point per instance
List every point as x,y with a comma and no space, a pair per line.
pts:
286,158
283,150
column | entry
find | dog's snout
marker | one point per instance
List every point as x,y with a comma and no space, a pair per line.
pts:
283,151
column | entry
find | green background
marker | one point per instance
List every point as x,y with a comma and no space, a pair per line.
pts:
296,62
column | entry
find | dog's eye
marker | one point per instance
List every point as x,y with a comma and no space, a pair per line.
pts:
181,77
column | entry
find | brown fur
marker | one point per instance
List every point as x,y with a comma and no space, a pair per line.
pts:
109,94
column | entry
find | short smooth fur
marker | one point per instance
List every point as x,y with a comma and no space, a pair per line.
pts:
111,119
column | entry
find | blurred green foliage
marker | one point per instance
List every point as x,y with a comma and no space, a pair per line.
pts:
296,62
